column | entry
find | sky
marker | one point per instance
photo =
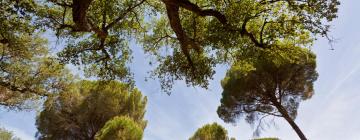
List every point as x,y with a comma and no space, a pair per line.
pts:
331,114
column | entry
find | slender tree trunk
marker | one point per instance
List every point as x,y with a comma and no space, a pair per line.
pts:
287,117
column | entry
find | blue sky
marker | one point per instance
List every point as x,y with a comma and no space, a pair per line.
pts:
331,114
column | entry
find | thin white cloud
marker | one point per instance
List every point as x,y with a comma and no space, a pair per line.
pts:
344,79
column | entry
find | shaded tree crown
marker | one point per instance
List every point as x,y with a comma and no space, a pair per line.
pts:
82,111
272,82
212,131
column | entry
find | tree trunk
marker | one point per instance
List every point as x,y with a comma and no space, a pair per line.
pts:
287,117
79,10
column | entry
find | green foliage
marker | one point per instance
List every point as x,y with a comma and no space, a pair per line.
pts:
211,132
100,43
7,135
271,83
187,38
120,128
177,66
27,71
267,139
81,111
222,29
263,41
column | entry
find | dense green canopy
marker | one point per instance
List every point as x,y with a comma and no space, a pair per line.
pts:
187,38
267,139
270,83
120,128
27,70
7,135
83,109
212,131
263,41
205,33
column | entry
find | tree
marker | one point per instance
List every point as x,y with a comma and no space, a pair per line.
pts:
97,32
27,71
120,128
198,34
7,135
211,132
266,139
187,38
82,111
269,83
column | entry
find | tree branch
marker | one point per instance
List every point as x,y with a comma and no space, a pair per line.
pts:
22,90
124,14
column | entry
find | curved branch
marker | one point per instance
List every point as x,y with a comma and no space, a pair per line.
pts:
19,89
124,14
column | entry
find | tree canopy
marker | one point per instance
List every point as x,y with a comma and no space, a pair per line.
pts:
271,83
187,38
27,71
206,33
264,42
212,131
81,111
267,139
7,135
120,128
